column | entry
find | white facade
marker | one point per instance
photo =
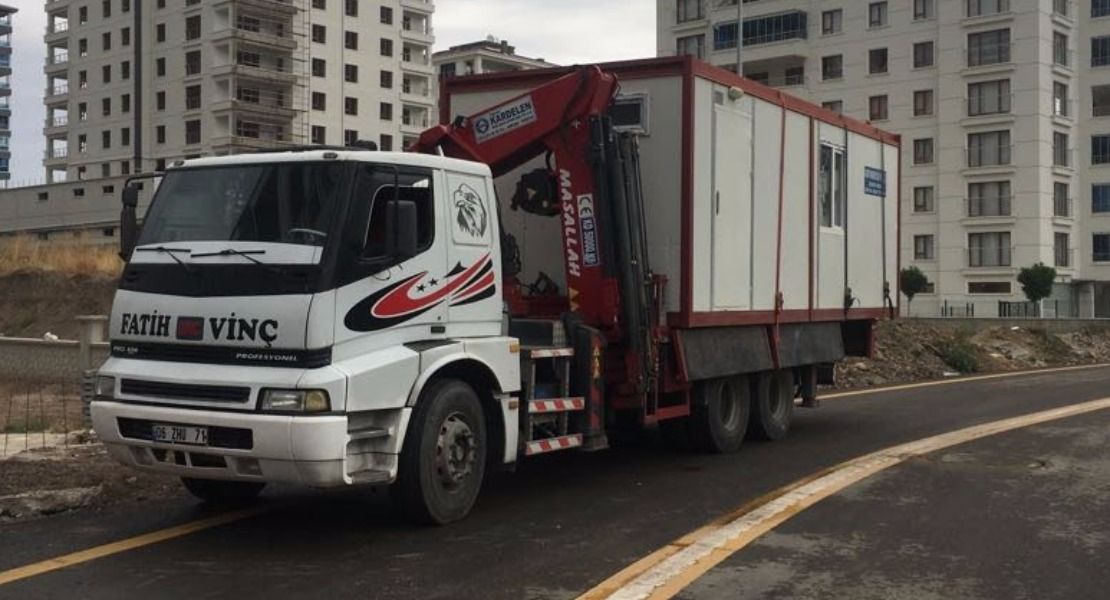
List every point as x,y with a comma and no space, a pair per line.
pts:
487,56
133,85
994,102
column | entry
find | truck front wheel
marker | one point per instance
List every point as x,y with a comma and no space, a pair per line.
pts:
214,491
444,456
719,416
772,404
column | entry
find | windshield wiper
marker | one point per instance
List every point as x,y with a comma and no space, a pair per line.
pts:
172,252
247,254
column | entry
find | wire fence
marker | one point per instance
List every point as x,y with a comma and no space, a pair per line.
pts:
37,414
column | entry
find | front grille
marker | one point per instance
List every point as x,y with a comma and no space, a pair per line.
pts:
181,391
233,438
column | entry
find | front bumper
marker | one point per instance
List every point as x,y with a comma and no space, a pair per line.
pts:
316,451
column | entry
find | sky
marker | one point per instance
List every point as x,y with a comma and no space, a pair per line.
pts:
560,31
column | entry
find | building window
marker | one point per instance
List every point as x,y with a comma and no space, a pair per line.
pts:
832,21
922,55
350,40
106,40
691,45
988,48
350,73
1060,99
125,70
385,111
319,101
106,107
837,106
319,34
83,80
833,182
1100,8
350,106
82,47
989,199
160,134
82,143
690,10
877,61
1100,51
192,97
990,148
350,8
922,103
160,67
386,15
979,8
1100,243
775,28
350,137
386,47
160,32
386,80
724,36
876,14
83,15
125,103
192,132
1061,199
106,73
878,108
988,97
160,100
1100,149
990,249
192,62
319,67
1060,48
988,287
319,135
923,151
1100,198
125,136
1061,247
125,36
923,247
320,4
922,9
1060,149
924,199
105,139
832,67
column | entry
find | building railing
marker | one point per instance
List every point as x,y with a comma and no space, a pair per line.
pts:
989,54
58,58
990,105
989,156
59,121
989,256
59,152
1063,207
59,27
58,90
1064,257
989,207
984,8
1064,8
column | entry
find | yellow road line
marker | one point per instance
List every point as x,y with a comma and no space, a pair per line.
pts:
146,539
667,571
926,384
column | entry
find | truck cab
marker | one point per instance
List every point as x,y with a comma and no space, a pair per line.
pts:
280,315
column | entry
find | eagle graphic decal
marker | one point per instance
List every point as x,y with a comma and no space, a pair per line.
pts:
416,295
470,211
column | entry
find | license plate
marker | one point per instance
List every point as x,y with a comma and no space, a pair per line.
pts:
180,434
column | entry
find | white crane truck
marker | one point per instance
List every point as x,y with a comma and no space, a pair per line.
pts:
701,249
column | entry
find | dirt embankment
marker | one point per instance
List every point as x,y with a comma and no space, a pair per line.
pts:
909,350
33,303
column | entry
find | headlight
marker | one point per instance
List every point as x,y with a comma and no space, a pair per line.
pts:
104,388
304,401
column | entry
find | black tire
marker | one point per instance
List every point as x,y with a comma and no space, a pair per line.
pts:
218,492
719,416
443,460
772,405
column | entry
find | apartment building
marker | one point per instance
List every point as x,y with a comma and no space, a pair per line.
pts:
6,13
490,55
1004,111
135,84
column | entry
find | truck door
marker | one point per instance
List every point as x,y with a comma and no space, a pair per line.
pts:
732,209
471,227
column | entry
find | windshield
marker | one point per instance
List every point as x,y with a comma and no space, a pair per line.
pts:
291,203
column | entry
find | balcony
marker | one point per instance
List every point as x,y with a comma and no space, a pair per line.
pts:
56,156
259,73
57,62
421,65
985,157
414,124
261,37
425,7
988,207
986,9
1064,258
59,93
273,7
987,257
265,106
1063,208
418,34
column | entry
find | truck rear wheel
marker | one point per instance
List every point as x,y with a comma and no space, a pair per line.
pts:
720,413
215,491
444,456
772,404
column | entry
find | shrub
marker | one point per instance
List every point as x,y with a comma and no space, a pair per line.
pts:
960,355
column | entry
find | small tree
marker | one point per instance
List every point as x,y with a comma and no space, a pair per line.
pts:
1036,282
913,282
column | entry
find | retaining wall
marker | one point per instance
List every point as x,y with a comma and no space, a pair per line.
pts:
1049,325
22,358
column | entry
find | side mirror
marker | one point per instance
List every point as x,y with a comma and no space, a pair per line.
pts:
402,229
128,222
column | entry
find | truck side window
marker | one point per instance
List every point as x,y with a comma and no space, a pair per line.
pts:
411,185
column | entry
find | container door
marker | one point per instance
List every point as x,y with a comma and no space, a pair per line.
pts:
732,209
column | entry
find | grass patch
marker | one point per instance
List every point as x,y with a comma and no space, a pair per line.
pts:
35,425
23,254
960,354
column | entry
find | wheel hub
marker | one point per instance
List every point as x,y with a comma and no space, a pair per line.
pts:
456,451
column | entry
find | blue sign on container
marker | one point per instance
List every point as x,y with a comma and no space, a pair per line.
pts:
874,182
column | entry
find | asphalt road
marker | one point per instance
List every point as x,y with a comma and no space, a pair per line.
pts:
1017,515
